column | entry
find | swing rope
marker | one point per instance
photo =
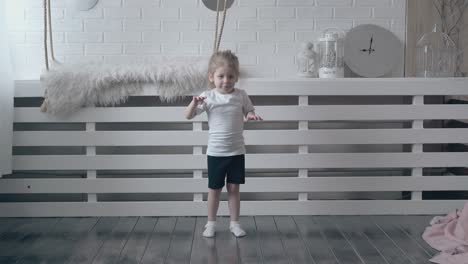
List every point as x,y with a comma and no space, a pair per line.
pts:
48,29
217,39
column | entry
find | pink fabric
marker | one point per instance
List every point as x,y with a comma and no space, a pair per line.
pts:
449,234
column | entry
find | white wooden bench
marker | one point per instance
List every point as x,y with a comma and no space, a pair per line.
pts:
290,172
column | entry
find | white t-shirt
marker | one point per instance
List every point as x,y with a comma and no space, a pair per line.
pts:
225,120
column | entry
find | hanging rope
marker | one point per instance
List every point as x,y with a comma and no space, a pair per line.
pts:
49,13
45,36
48,29
217,39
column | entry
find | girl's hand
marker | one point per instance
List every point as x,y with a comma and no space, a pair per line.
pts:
253,116
198,99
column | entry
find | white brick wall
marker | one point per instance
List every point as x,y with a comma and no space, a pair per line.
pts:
265,33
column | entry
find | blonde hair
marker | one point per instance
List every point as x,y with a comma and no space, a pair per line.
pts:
221,59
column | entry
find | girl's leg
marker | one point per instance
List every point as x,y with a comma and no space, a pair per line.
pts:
213,203
234,209
233,201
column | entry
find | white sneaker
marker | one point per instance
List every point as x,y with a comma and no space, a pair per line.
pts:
210,230
236,230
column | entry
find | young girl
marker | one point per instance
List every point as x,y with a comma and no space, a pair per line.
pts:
226,107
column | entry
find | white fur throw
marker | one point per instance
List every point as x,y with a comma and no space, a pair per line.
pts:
69,87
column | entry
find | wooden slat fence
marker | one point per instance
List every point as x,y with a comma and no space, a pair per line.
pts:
285,159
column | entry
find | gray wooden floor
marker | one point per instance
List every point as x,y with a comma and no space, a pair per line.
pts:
270,239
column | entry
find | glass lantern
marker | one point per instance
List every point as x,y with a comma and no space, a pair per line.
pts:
331,52
306,60
435,55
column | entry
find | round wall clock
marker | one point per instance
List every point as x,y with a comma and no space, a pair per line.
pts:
371,50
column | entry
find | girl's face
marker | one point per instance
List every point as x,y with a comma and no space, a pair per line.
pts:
224,79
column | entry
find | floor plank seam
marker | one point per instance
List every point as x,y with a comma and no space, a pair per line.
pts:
394,243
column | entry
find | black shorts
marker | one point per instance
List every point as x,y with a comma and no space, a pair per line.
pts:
231,168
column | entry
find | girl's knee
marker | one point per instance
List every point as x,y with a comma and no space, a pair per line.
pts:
215,191
232,188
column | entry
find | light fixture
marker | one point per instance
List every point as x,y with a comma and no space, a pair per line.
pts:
83,5
211,4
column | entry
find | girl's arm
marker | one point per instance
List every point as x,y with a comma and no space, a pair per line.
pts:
190,110
249,108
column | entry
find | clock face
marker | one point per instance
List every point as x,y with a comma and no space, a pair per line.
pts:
371,50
